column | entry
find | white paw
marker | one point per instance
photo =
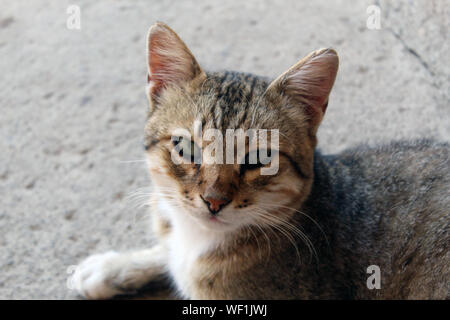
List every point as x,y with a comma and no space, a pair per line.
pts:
95,277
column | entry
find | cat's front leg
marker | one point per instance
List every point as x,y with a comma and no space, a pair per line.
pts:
105,275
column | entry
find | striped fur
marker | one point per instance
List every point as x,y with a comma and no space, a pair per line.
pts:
308,232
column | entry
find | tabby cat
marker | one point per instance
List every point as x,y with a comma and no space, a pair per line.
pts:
309,231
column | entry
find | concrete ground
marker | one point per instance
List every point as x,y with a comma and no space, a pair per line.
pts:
73,106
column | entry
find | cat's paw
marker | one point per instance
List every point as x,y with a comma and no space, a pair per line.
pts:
95,277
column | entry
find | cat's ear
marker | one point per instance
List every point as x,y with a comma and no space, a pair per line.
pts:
170,62
308,83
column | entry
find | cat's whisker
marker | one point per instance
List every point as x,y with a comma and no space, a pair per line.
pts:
146,202
133,161
261,229
296,231
147,197
149,190
303,213
276,223
304,236
256,238
287,235
151,202
264,234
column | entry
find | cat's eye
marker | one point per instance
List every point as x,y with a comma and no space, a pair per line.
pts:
249,166
187,149
252,161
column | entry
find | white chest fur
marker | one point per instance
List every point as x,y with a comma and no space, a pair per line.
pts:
186,243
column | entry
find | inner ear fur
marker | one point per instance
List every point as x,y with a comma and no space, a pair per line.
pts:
308,83
169,60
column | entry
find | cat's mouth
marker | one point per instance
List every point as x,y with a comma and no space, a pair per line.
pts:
215,219
215,222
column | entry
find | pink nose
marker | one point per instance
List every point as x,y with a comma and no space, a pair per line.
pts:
215,204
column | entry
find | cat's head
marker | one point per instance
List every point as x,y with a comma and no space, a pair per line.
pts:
186,135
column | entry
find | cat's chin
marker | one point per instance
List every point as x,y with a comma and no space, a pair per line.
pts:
214,223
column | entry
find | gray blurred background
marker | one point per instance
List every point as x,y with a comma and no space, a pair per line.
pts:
73,106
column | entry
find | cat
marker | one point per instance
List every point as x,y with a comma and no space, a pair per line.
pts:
312,230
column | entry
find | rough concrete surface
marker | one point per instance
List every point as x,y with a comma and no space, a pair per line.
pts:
73,106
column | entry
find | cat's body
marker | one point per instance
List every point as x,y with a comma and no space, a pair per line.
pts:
376,209
370,207
309,231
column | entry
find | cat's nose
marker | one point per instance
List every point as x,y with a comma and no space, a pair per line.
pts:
215,203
